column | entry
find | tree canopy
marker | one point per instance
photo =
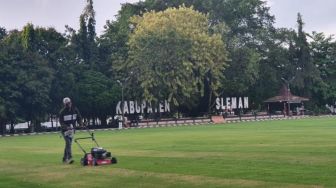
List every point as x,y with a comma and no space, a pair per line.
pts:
172,54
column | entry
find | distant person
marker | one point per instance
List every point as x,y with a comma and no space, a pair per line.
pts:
68,117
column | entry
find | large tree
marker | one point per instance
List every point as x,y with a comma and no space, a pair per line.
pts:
51,46
95,95
113,47
307,74
323,54
9,93
246,28
172,54
26,78
83,41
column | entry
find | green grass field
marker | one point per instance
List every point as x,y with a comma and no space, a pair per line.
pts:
290,153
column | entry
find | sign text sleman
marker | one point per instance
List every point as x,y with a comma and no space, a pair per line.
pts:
231,103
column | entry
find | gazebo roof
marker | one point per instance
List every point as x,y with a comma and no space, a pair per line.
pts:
286,96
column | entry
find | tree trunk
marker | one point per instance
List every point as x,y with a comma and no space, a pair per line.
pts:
210,105
31,126
37,125
210,92
103,121
12,131
2,127
52,122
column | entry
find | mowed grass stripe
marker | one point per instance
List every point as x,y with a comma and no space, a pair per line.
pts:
98,177
293,153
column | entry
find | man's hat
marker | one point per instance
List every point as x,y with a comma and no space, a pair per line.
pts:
66,100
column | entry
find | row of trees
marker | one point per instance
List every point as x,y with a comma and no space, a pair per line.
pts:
40,66
186,51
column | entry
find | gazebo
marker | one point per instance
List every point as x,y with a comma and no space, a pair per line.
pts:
286,102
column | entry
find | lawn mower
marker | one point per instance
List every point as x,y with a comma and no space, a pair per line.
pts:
97,156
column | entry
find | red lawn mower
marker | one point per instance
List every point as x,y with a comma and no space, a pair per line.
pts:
97,156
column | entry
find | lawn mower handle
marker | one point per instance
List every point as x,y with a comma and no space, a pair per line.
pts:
83,138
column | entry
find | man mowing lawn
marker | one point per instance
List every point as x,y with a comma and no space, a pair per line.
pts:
69,115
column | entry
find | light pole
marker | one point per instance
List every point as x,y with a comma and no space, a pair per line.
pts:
122,85
122,101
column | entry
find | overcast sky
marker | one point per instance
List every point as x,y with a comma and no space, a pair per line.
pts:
318,15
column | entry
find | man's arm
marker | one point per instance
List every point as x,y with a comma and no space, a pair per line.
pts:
61,120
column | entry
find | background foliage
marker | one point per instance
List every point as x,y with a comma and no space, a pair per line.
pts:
187,51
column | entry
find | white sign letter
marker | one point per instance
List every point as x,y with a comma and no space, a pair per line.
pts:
228,103
125,108
240,103
137,107
118,109
217,103
149,108
131,107
234,102
161,107
246,102
167,106
222,104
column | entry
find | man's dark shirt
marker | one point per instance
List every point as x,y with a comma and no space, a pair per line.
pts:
68,117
